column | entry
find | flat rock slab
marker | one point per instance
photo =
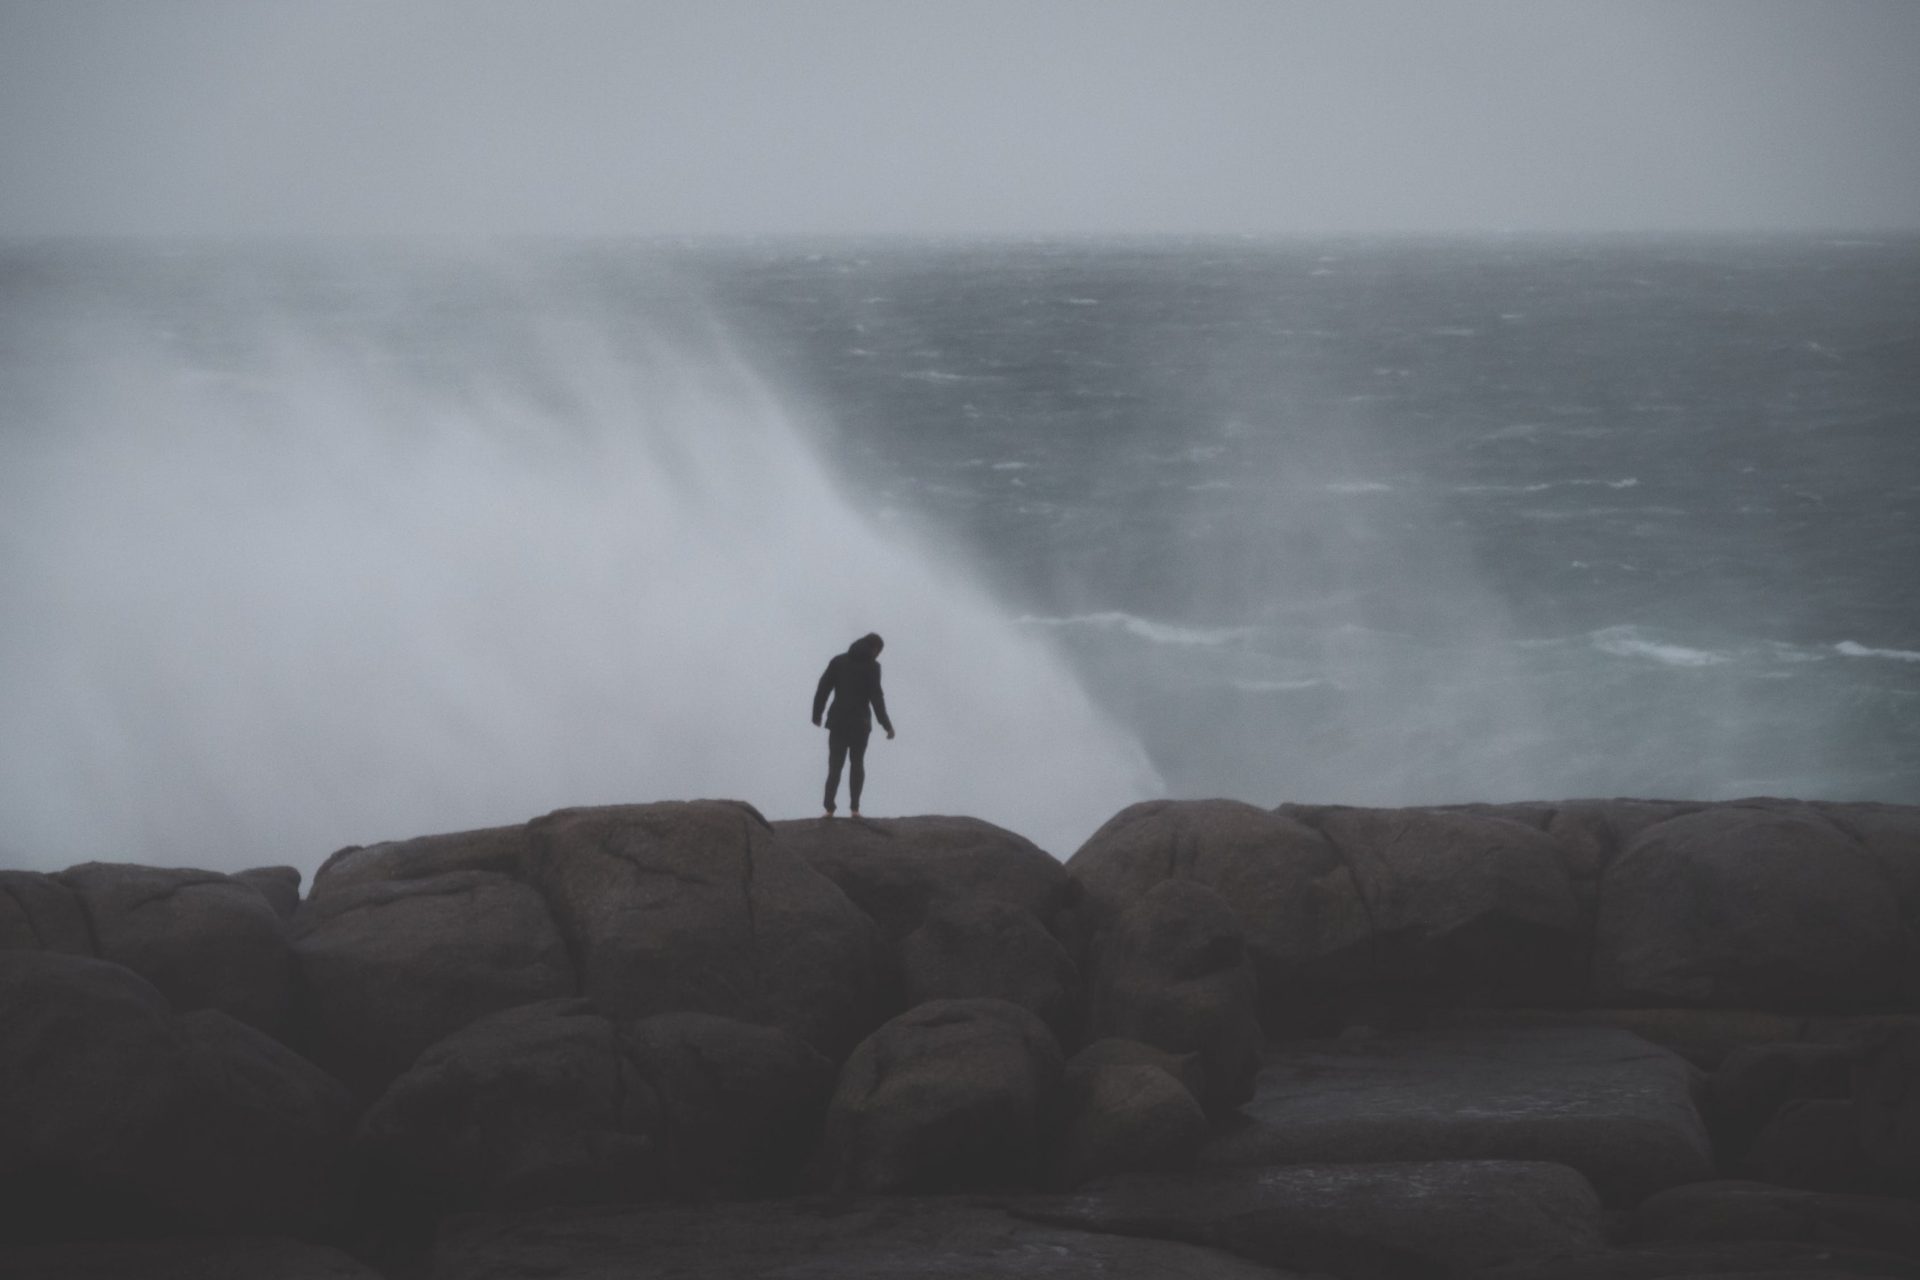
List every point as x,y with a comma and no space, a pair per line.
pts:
837,1239
1605,1102
1353,1219
212,1258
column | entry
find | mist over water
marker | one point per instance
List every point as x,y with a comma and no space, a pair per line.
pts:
305,549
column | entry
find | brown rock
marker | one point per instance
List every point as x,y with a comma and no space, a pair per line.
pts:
1738,907
536,1105
966,947
280,886
700,907
1126,1119
390,967
743,1105
1174,972
206,940
1465,908
39,913
1749,1211
501,850
1305,921
1812,1144
951,1095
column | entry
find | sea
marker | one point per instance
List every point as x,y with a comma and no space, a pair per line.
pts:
318,543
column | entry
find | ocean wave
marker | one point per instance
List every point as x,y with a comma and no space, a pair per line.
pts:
1357,486
1852,650
1627,642
1282,686
1144,628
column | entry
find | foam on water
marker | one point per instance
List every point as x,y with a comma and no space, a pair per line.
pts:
1629,642
335,592
1852,649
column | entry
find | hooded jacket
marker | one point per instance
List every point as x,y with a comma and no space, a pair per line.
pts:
853,678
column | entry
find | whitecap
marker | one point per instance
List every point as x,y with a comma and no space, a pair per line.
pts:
1627,642
1358,486
1145,628
1853,650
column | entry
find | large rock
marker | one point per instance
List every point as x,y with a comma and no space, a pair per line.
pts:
846,1238
117,1117
536,1105
894,869
1754,1082
501,850
1173,972
952,1094
743,1105
206,940
1813,1144
1748,907
1372,1220
1305,920
1607,1103
216,1258
389,967
700,907
280,886
38,913
1753,1211
1126,1118
969,947
1700,1259
1592,833
1465,908
1884,1083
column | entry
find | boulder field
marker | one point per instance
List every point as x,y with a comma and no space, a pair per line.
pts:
1590,1038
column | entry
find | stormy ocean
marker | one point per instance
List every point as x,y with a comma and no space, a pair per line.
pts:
306,545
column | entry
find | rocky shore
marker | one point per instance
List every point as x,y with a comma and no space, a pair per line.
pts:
1589,1039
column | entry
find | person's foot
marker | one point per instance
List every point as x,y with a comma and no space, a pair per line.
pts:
829,812
853,813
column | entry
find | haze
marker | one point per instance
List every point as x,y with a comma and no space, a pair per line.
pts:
220,117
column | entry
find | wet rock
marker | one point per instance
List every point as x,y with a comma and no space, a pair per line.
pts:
1704,1037
743,1105
846,1238
1812,1144
1305,921
1884,1082
1126,1118
116,1117
982,947
700,907
280,886
1592,833
1465,908
1755,1082
39,913
390,967
206,1258
1744,907
500,850
1607,1103
1173,972
1113,1051
1751,1211
536,1105
894,869
952,1094
1354,1220
206,940
1695,1260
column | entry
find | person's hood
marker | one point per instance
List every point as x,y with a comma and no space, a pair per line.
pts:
866,648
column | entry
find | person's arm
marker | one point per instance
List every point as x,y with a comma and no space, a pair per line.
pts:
880,702
821,691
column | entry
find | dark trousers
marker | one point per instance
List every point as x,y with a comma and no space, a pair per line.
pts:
842,743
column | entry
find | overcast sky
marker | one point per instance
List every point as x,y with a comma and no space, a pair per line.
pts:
956,116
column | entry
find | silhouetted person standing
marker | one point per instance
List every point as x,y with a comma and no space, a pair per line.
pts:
853,678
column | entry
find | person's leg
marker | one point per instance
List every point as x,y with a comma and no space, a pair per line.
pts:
857,775
836,756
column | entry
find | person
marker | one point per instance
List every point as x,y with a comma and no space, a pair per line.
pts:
853,680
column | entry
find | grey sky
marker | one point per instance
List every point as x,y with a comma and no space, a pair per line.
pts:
972,116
